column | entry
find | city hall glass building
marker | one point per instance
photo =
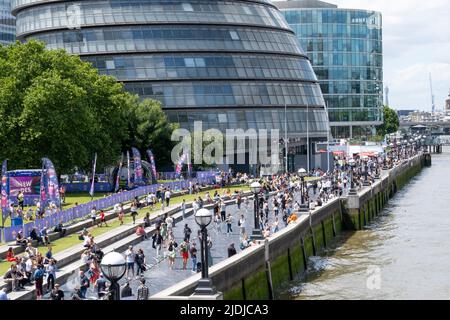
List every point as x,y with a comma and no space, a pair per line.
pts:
345,49
7,23
229,63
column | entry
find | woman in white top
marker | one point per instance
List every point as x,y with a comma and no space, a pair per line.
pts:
93,215
130,259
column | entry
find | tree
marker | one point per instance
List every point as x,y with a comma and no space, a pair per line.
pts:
391,122
149,127
52,104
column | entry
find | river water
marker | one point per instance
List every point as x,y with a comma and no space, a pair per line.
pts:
403,254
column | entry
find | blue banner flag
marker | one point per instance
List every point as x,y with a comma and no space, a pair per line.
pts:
180,164
152,164
138,174
91,191
5,192
128,171
51,186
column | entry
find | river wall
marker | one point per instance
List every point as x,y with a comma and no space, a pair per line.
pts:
257,272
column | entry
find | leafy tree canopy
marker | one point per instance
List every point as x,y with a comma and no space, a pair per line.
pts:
391,122
54,105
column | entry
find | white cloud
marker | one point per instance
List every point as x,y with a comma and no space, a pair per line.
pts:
416,41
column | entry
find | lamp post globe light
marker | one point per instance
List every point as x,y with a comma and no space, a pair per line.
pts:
203,218
256,189
113,267
302,174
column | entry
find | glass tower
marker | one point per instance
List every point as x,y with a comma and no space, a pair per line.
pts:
345,49
7,23
232,64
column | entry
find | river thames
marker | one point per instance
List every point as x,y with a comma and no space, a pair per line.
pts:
403,254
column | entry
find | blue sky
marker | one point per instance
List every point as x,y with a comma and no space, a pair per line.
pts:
416,41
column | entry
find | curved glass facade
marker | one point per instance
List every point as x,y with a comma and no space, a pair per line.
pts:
345,49
7,23
231,64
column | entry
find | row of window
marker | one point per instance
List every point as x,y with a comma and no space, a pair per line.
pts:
174,38
365,114
7,21
202,67
89,12
188,95
351,87
354,101
336,31
18,3
254,119
346,59
346,73
341,45
7,37
370,19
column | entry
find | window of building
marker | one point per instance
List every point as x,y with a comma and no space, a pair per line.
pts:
234,35
187,7
110,64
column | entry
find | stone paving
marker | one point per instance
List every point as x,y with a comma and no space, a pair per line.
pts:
159,276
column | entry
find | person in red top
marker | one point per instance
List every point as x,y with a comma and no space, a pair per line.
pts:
10,256
102,218
140,231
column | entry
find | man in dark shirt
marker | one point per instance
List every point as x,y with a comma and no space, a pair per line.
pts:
126,291
56,293
34,236
231,250
100,284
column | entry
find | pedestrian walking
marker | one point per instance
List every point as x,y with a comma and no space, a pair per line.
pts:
130,257
229,221
143,291
102,219
157,242
187,232
223,210
141,263
184,251
193,253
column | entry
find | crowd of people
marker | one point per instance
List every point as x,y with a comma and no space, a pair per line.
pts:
280,202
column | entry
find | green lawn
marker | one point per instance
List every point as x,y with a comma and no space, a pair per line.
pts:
71,240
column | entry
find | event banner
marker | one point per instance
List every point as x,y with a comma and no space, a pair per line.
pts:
116,188
91,191
5,190
28,185
138,174
43,193
51,184
128,171
152,163
180,164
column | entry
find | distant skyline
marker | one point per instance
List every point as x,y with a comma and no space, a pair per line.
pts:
416,41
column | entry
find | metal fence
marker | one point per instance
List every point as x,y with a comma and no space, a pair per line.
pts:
80,211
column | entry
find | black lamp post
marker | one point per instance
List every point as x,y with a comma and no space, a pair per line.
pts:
365,167
352,165
302,174
113,267
203,218
257,234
